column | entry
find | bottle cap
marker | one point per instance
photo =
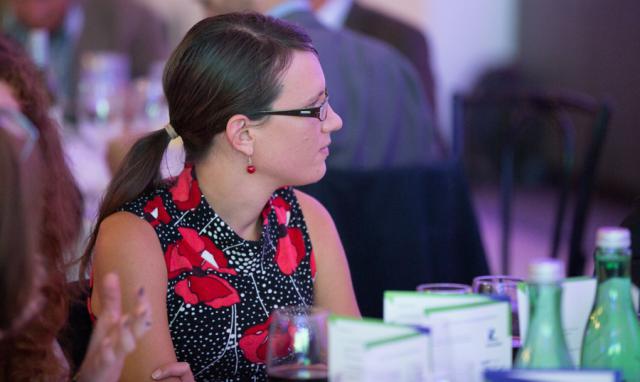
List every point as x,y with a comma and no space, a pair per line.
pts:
546,271
613,237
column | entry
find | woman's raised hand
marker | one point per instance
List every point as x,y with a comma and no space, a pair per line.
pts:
114,334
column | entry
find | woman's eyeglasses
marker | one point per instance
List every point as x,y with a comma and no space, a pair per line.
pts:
21,128
319,112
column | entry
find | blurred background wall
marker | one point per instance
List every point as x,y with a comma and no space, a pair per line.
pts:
592,46
586,45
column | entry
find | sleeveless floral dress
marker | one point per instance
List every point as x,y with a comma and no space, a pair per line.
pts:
221,288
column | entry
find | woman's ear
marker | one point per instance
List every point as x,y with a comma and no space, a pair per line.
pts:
239,134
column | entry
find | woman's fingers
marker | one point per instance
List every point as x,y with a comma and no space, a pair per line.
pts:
141,321
110,316
125,339
115,334
107,353
176,370
110,297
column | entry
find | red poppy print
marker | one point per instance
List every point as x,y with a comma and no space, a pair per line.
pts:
210,290
192,251
282,210
175,262
280,207
312,262
185,192
290,250
155,213
254,343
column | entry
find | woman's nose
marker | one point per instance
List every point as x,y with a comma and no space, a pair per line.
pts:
333,121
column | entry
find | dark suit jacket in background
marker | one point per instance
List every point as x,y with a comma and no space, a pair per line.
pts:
378,94
408,40
122,26
127,27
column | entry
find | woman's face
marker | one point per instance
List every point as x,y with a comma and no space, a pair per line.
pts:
293,149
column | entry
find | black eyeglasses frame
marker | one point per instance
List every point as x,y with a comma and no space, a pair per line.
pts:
310,112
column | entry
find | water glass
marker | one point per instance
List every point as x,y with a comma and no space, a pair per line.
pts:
297,345
507,287
444,288
102,94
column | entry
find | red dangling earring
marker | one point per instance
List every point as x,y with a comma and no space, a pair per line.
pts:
250,167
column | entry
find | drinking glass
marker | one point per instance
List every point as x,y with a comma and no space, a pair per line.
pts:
506,287
297,345
444,288
102,95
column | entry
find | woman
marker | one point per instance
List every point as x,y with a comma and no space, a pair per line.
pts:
22,278
59,210
226,241
38,222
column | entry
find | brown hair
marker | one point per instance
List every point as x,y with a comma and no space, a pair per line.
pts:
16,249
26,347
225,65
30,355
62,216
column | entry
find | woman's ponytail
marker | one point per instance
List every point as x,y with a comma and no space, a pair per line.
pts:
139,172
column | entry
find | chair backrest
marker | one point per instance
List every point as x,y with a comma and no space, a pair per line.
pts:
403,227
632,221
514,127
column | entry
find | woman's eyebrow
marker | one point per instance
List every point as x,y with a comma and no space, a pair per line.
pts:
315,98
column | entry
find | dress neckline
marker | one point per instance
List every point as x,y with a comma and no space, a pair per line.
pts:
190,168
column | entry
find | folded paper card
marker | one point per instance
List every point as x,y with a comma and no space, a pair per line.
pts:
470,333
370,350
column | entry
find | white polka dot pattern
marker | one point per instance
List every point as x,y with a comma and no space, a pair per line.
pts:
221,288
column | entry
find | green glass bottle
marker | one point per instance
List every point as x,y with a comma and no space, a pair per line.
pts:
612,337
545,346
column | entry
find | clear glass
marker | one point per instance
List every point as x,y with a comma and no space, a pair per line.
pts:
103,89
612,336
545,346
504,286
297,346
444,288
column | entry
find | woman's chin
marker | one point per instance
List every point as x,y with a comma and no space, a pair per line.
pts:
312,176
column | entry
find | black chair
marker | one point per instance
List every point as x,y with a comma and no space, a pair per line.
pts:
75,336
632,221
403,227
516,126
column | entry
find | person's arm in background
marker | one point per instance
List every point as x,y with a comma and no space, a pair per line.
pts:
333,288
129,247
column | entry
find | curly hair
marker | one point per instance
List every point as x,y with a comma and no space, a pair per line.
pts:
61,220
